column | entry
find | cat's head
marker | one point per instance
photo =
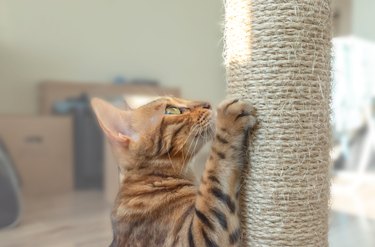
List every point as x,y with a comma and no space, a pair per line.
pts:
164,129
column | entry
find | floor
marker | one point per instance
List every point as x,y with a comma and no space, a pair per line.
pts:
353,206
349,230
72,220
82,219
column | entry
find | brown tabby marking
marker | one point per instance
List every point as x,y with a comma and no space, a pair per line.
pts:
158,204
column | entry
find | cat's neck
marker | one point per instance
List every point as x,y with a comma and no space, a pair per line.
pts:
158,169
156,180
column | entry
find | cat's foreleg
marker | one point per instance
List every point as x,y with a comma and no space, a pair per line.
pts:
216,219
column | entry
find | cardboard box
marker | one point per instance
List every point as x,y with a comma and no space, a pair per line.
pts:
42,150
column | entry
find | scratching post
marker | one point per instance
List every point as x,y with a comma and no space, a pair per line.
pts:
277,56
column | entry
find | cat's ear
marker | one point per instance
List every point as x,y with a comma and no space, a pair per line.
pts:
126,105
114,122
136,101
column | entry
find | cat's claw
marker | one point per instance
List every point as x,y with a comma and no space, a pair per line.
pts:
236,115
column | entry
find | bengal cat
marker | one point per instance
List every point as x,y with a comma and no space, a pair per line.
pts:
159,204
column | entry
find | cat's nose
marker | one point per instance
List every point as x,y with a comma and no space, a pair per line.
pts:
205,105
201,104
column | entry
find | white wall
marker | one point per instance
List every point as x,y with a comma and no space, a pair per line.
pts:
176,42
364,19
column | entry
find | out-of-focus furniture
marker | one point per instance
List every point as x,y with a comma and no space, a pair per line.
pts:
52,91
352,104
42,150
88,142
342,17
10,195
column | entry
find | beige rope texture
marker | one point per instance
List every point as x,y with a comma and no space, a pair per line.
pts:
277,56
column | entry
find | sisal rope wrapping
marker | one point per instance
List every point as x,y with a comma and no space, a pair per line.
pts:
277,56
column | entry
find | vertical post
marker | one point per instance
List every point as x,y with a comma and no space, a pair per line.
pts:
277,56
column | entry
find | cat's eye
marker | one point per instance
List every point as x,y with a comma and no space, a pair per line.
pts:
171,110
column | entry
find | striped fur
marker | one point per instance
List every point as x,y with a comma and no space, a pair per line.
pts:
158,204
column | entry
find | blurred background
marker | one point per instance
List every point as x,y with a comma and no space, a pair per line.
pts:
57,176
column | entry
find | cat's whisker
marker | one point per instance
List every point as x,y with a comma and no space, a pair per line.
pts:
209,135
212,133
189,134
195,146
193,151
196,140
195,126
187,154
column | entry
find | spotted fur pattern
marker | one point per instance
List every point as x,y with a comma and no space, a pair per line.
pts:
159,204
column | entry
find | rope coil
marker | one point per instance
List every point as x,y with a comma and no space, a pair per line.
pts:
278,56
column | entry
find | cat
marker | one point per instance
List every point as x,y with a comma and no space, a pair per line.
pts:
158,203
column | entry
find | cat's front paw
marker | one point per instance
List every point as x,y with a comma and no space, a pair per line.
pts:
235,116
